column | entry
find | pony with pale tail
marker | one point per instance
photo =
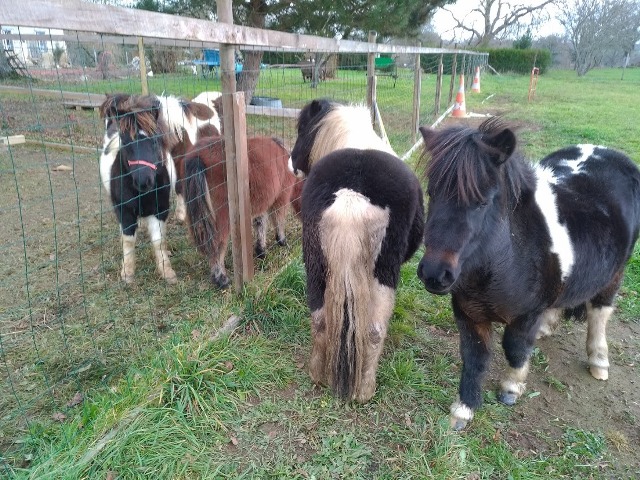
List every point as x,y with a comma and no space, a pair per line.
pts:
362,217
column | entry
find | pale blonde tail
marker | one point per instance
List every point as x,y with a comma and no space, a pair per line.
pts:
351,234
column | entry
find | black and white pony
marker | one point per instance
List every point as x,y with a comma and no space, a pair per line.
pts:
189,121
362,216
519,244
138,173
146,139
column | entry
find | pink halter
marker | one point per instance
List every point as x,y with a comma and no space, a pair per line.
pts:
142,162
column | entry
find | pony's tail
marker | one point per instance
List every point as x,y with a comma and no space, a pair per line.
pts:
200,212
351,234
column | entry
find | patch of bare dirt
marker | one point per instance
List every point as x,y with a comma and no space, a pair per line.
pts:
569,397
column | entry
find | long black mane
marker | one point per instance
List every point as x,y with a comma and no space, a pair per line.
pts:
463,162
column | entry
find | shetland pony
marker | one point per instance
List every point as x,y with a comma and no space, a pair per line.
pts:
518,243
138,173
362,217
198,118
271,186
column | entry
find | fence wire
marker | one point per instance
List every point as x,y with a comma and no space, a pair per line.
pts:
67,321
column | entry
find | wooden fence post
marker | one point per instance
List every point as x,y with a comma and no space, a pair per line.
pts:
417,89
452,84
228,81
144,85
371,77
439,86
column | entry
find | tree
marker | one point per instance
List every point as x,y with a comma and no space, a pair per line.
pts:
599,27
524,42
494,19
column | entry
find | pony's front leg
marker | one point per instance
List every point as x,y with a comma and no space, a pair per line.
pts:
157,232
260,226
382,302
517,343
128,269
475,341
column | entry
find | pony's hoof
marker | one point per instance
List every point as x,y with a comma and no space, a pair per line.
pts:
508,398
282,242
126,278
461,415
221,281
599,373
171,278
261,254
458,424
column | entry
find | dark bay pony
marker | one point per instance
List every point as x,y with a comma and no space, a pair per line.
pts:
519,244
138,172
271,188
362,217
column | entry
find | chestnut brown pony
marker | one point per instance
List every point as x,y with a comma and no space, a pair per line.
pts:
271,185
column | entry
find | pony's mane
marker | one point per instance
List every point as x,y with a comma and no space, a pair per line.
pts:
461,164
138,112
346,126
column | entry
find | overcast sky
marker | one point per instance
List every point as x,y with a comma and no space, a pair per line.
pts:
443,22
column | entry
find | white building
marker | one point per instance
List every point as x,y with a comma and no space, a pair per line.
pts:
34,46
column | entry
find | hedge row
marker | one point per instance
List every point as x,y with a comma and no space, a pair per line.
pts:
518,61
502,59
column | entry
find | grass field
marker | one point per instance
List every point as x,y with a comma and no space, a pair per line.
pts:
162,396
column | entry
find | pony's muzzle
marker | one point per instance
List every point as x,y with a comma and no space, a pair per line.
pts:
438,276
294,170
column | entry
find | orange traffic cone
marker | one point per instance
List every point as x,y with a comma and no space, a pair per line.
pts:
459,108
475,86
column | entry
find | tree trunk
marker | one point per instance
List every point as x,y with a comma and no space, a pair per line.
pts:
248,77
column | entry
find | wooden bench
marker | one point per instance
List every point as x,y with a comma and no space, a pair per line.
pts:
386,66
83,104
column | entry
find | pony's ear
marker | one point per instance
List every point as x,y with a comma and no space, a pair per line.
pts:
317,106
427,133
108,108
200,110
503,143
156,107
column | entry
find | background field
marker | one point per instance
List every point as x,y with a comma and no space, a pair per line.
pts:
100,380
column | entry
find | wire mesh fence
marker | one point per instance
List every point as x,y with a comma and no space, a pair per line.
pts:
67,320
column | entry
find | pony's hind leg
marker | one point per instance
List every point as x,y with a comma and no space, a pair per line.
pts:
216,265
549,320
128,257
597,349
383,300
157,232
318,360
278,220
599,309
260,226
